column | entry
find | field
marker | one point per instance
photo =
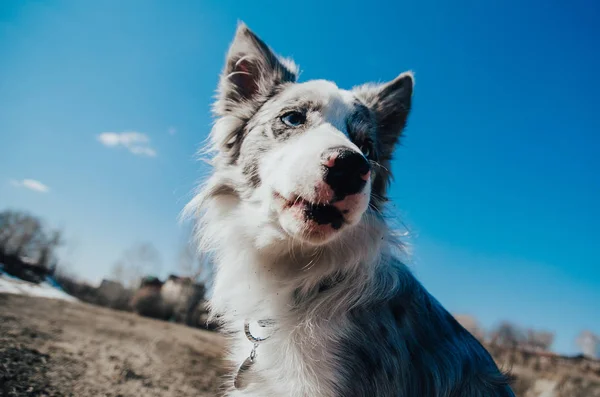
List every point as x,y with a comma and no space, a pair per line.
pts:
57,348
52,347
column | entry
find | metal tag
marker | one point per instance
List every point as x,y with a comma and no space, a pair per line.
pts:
241,382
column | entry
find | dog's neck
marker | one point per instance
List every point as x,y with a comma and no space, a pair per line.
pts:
254,282
256,286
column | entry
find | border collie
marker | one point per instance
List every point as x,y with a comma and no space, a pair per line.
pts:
309,284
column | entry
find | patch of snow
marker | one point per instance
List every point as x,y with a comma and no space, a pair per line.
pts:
13,285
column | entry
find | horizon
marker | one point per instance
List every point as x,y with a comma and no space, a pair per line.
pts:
103,107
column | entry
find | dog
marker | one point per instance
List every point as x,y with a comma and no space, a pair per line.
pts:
309,284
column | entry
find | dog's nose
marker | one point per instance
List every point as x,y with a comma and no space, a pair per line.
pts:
346,171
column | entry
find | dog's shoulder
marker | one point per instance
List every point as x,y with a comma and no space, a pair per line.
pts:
406,344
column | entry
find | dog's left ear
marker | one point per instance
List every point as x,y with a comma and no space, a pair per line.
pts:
391,104
250,74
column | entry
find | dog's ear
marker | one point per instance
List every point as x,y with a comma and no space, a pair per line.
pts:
251,73
391,104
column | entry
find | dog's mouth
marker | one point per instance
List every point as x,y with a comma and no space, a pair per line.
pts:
321,214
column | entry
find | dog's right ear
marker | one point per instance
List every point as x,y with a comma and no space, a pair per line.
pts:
251,73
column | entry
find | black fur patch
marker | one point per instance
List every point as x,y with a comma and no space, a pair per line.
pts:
408,345
360,124
390,104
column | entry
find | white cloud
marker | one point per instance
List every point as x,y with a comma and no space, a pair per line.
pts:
172,130
31,184
136,142
143,151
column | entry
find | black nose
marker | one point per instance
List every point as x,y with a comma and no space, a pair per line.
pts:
346,172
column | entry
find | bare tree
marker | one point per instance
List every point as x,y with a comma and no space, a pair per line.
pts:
187,260
118,271
141,260
508,335
20,233
195,265
205,272
511,336
46,258
539,340
9,223
589,343
23,236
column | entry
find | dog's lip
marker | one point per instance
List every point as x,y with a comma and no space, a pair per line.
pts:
297,200
294,200
320,213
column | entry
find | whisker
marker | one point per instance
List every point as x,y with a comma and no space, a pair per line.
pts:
377,164
235,73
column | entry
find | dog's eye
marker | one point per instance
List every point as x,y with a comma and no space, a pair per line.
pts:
366,148
293,119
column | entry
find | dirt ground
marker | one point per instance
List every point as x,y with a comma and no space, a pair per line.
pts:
57,348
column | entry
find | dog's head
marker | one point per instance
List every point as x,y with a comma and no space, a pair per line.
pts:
310,159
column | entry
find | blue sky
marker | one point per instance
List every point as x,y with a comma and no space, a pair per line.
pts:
497,179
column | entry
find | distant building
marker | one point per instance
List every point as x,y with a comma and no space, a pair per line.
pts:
181,297
178,299
147,300
111,293
589,343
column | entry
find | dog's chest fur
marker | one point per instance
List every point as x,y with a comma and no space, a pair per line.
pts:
387,337
305,354
313,349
